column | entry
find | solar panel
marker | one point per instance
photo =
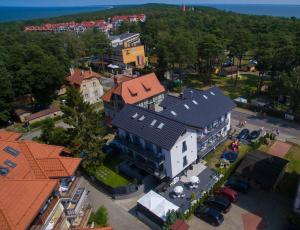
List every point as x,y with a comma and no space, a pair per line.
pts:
11,151
10,163
3,171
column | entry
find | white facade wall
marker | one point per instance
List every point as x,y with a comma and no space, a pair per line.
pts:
91,90
174,158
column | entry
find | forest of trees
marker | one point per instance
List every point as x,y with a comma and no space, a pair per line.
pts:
38,63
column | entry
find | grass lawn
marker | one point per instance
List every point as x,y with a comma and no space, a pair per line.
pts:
213,158
289,183
109,177
246,85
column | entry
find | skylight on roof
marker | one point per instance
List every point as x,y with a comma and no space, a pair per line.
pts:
205,97
142,118
186,106
173,113
212,93
135,115
10,163
11,151
3,171
195,102
161,125
153,123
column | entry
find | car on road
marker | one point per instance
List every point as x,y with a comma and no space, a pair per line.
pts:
231,194
253,135
238,185
209,215
243,134
219,202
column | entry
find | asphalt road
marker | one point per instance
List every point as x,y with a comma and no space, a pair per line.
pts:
287,129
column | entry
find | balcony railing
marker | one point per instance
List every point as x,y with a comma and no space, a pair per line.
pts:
211,146
144,153
212,132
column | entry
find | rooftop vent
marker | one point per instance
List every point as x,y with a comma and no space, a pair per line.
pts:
173,113
3,171
212,93
11,151
161,125
205,97
142,118
195,102
153,123
10,163
135,115
186,106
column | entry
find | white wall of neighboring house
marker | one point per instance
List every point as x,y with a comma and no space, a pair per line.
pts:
91,90
174,158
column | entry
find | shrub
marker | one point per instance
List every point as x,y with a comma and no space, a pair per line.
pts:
100,218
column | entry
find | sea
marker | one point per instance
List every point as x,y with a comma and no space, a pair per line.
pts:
8,14
26,13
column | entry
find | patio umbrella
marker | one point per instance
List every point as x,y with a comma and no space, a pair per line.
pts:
194,179
178,189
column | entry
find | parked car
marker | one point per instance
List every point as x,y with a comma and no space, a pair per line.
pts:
253,135
243,134
238,185
209,215
231,194
219,202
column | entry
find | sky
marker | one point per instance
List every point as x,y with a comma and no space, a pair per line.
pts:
120,2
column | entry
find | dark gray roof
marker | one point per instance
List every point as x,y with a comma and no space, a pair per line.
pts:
137,120
169,101
263,168
199,108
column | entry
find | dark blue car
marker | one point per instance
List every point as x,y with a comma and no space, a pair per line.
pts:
243,134
238,185
209,215
219,202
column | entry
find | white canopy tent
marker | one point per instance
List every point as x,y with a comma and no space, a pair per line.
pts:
178,189
157,204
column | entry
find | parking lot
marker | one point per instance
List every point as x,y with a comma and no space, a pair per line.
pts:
272,207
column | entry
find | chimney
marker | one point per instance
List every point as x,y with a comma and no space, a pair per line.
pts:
72,71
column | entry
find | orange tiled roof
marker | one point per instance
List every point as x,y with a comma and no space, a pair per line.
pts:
21,200
136,89
78,76
9,136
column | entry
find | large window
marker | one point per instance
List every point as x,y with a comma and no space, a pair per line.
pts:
184,147
185,162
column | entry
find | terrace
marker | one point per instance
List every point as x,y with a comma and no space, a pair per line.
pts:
184,200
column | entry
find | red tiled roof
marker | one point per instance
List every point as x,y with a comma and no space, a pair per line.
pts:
179,225
9,136
136,89
78,76
21,200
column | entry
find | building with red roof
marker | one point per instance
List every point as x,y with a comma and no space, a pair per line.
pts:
88,83
145,91
37,185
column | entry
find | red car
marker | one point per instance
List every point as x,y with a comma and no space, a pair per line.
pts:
231,194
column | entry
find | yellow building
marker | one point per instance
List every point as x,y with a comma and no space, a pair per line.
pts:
134,55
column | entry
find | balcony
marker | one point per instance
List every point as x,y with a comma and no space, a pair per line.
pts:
144,153
202,152
212,132
72,186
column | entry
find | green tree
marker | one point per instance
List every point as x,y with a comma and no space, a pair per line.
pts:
86,127
6,94
101,217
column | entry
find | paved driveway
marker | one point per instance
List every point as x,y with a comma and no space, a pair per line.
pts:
273,207
121,215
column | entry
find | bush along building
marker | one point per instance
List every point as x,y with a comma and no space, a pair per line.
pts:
166,142
144,91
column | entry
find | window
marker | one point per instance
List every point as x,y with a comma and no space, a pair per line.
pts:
96,93
86,95
84,86
185,162
184,147
94,84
